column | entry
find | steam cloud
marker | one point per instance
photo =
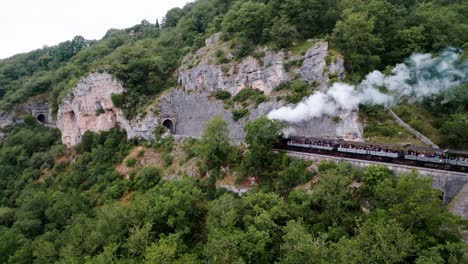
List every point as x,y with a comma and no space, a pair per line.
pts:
421,76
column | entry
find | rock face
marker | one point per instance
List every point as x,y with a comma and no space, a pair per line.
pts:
89,108
194,110
201,70
186,111
6,120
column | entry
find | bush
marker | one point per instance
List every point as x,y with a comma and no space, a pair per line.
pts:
130,162
251,95
324,166
167,159
221,57
239,113
298,90
159,131
147,177
222,95
118,100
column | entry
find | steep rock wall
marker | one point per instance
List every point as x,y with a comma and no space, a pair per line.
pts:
88,107
6,120
201,70
194,110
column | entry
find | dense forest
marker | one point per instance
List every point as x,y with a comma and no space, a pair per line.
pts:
60,205
72,206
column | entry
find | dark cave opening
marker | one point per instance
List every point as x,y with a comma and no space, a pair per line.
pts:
41,118
169,125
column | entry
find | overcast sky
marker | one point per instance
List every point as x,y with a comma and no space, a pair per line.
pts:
27,25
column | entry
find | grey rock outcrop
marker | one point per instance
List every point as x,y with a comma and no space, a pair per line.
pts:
315,68
6,120
88,107
201,70
194,110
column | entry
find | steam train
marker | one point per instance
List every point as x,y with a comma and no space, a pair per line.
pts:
445,159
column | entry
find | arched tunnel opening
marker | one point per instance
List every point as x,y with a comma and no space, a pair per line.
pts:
169,125
41,118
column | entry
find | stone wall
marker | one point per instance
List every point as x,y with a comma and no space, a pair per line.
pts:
449,182
37,108
193,110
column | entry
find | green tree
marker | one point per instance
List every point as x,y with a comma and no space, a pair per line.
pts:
260,135
172,17
378,241
146,178
283,33
246,19
299,246
354,36
454,131
215,146
417,207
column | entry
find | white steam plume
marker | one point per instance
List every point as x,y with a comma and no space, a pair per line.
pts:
421,76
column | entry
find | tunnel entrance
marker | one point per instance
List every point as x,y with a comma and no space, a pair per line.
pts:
41,118
169,125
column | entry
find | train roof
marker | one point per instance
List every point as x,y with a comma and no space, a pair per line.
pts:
425,149
368,144
315,138
457,152
448,151
390,146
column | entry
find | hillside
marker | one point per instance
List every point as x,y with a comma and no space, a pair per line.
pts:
155,144
146,57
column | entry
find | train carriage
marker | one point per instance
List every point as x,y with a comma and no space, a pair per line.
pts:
457,158
423,154
312,143
402,154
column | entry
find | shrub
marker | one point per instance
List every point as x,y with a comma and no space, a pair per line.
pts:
221,57
336,119
118,100
239,113
147,177
130,162
159,131
324,166
250,94
222,95
167,159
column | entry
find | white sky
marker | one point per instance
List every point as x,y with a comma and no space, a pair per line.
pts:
27,25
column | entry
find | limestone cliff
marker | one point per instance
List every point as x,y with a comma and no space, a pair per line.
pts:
88,107
201,70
